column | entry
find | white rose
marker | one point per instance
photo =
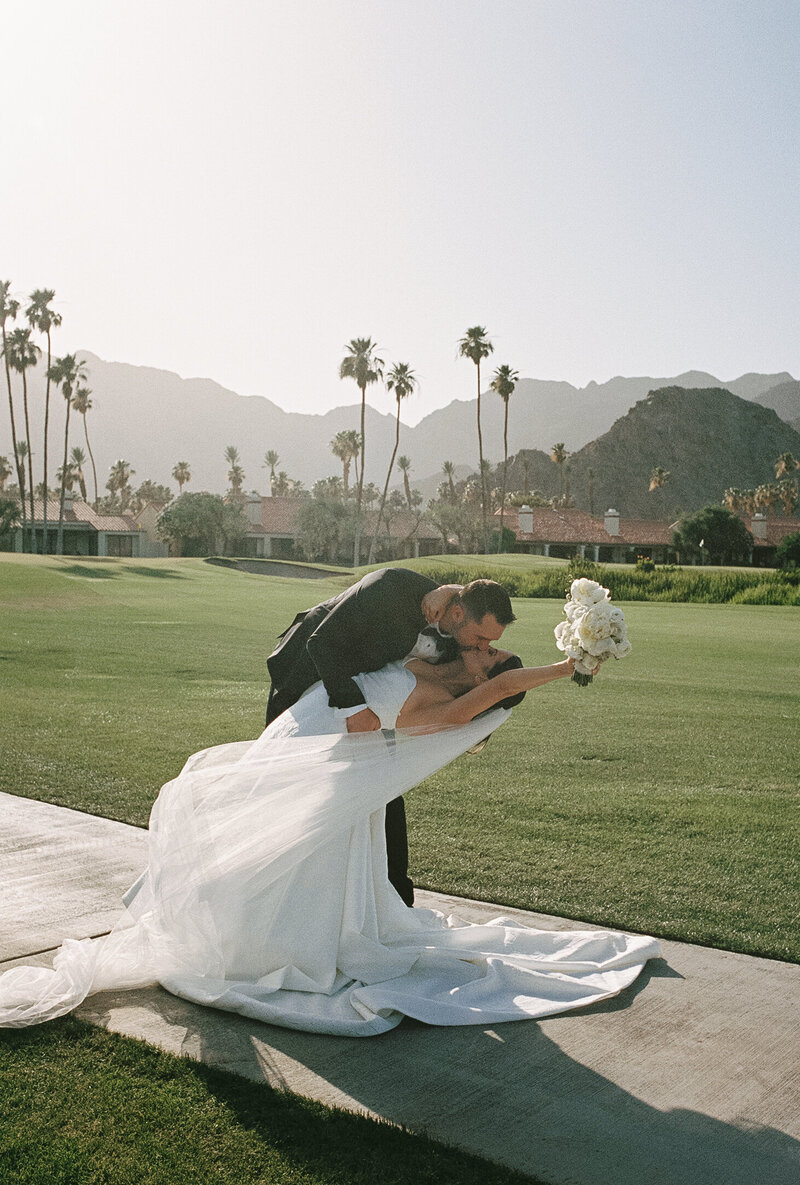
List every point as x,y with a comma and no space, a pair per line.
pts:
595,625
587,592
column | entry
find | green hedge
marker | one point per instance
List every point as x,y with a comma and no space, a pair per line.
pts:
700,585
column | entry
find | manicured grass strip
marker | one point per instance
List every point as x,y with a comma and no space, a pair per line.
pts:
81,1106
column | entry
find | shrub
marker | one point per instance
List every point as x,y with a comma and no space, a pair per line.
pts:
788,552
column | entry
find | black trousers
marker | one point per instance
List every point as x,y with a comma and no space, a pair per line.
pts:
397,849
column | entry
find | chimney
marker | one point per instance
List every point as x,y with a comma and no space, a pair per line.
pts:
252,508
69,499
758,526
525,520
612,522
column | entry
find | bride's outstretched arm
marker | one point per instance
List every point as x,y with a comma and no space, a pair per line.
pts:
487,694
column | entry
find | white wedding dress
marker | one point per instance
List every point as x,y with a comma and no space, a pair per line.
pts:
266,894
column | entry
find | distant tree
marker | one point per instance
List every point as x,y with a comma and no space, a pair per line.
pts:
363,366
42,317
68,373
119,484
21,353
83,404
151,491
9,514
591,491
716,531
504,381
558,454
77,460
68,476
402,380
346,446
658,478
235,474
449,470
475,345
5,472
271,459
326,523
182,474
8,312
787,554
405,466
287,487
203,524
786,465
789,494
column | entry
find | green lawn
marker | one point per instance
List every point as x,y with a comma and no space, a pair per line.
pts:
663,798
81,1106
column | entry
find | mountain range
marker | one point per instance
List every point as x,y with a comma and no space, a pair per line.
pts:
706,439
154,418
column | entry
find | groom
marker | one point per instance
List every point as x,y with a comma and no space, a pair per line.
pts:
374,622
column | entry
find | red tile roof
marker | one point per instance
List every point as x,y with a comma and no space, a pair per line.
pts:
575,526
777,529
82,512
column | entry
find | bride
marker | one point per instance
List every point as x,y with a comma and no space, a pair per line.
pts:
266,890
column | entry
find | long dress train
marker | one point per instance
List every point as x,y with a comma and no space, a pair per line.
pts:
266,894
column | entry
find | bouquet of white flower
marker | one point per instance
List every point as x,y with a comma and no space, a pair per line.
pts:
593,631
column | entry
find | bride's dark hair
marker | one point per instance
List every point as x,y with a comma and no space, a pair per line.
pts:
510,664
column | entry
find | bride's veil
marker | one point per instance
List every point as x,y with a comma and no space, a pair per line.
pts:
235,820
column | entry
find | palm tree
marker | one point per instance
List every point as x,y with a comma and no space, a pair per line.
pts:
732,499
785,465
119,478
21,357
591,491
68,373
235,472
82,404
504,381
22,454
271,459
182,473
5,472
789,493
402,381
8,312
476,345
78,459
449,469
658,478
68,475
559,455
345,446
363,366
45,319
404,464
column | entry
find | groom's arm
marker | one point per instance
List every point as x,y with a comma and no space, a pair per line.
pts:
377,622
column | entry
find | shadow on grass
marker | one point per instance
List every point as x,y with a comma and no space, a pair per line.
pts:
159,573
89,572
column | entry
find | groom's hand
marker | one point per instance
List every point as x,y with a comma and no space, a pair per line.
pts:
365,721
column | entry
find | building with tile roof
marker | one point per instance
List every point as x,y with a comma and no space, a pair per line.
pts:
274,524
86,532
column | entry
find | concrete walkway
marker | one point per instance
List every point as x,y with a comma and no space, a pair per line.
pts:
690,1077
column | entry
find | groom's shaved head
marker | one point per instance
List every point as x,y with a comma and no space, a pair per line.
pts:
486,596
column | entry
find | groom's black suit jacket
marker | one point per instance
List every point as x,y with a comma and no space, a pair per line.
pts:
373,622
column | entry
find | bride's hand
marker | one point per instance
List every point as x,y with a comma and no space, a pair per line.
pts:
436,601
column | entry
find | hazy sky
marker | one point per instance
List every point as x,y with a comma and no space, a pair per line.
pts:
235,188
